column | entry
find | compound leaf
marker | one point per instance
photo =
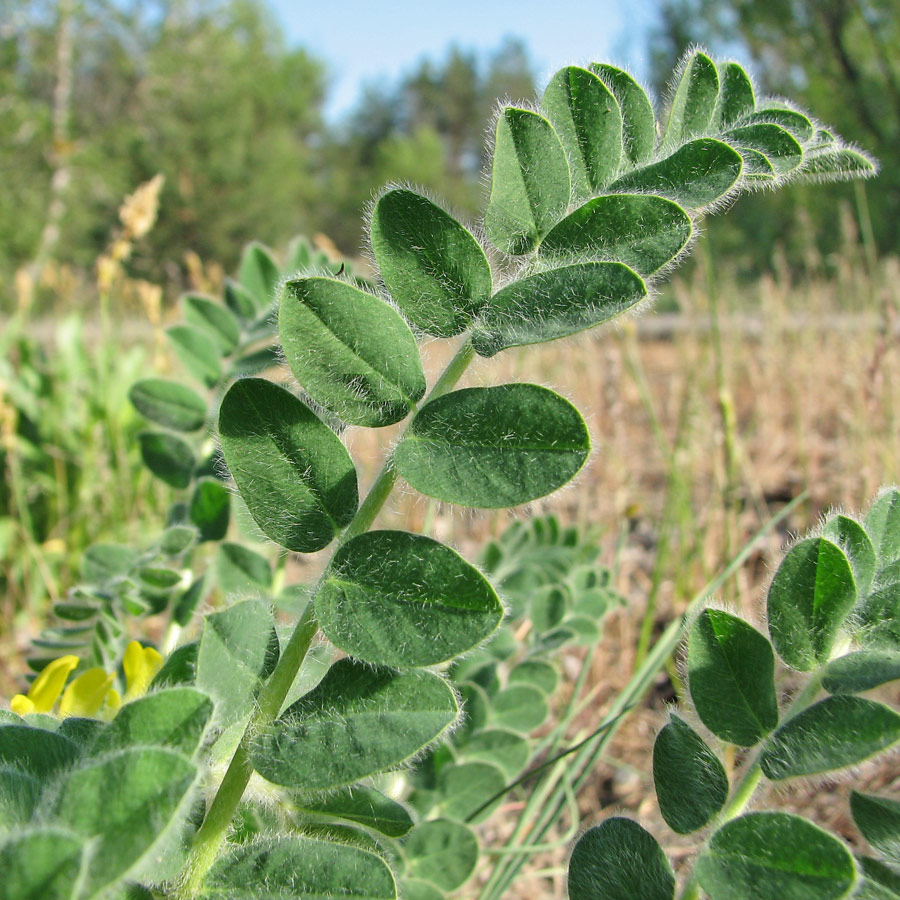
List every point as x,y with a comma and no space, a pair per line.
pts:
809,598
351,351
640,230
834,733
293,472
168,403
435,270
556,303
691,784
399,599
619,860
695,175
359,720
493,447
529,181
441,852
586,117
770,854
638,120
731,670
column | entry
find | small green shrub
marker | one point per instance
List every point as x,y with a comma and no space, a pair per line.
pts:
257,759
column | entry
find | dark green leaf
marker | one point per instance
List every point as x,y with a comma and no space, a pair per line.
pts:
176,539
214,319
351,351
180,667
359,720
294,474
810,596
19,793
237,650
619,860
259,274
852,538
696,175
442,853
168,457
436,271
493,447
694,101
168,403
529,181
838,164
587,120
210,509
757,167
791,120
240,301
293,867
400,599
365,806
883,526
878,818
731,670
832,734
879,882
240,570
640,230
761,856
184,606
638,120
736,96
197,352
779,147
691,784
861,671
35,751
255,362
40,864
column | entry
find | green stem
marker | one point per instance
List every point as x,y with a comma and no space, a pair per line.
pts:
214,829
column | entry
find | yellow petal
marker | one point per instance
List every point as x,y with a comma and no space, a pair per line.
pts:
85,695
21,705
112,706
48,685
141,665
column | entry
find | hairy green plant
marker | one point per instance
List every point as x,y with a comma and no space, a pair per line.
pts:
263,760
832,616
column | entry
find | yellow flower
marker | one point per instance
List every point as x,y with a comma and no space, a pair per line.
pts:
141,665
86,694
46,688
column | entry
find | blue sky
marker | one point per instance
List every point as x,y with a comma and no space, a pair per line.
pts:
381,39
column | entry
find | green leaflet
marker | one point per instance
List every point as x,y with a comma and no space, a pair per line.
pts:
442,853
210,509
197,353
216,320
40,864
852,538
638,120
694,101
299,255
493,447
240,570
416,889
838,164
102,563
780,147
809,598
533,671
506,749
691,784
619,860
400,599
879,882
168,403
122,803
175,540
520,707
878,818
238,649
556,303
294,474
364,806
175,718
19,793
184,606
359,720
765,855
290,867
467,786
259,274
240,301
861,671
731,670
529,181
695,175
883,526
834,733
351,351
35,751
435,270
795,122
180,667
640,230
587,120
736,96
879,612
